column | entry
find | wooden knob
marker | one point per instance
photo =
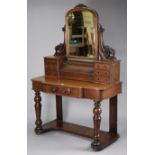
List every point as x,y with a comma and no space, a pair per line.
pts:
66,91
54,90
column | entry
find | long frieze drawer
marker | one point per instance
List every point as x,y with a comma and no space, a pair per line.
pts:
63,90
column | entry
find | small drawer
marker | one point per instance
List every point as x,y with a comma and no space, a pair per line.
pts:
102,79
50,65
102,76
50,61
102,66
70,91
49,71
50,88
102,73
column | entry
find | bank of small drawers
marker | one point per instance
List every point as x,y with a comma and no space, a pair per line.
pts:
102,76
102,73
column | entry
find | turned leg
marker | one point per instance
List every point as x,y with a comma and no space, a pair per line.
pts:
38,122
97,119
59,110
113,115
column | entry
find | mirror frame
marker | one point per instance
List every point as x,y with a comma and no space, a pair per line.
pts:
81,7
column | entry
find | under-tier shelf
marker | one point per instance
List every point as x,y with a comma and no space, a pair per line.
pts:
106,138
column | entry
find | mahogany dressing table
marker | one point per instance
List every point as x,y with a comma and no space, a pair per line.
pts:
82,67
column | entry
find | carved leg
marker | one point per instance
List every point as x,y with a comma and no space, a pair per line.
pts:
97,119
113,115
38,122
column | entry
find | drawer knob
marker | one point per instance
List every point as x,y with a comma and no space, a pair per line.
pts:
54,90
67,91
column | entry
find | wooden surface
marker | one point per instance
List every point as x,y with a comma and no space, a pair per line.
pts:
59,108
105,138
38,121
79,89
81,77
113,114
97,121
105,72
74,88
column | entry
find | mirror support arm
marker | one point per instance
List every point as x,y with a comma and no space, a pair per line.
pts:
60,49
105,52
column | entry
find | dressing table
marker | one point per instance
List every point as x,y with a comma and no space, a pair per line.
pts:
82,67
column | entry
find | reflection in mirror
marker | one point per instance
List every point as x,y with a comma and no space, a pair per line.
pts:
81,34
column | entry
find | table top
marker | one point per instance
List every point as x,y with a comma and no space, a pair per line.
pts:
74,83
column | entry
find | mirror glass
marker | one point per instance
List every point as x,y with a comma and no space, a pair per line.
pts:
81,34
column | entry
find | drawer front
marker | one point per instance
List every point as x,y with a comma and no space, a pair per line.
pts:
69,91
50,71
102,66
102,79
50,88
63,90
50,61
102,76
91,93
102,73
50,67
